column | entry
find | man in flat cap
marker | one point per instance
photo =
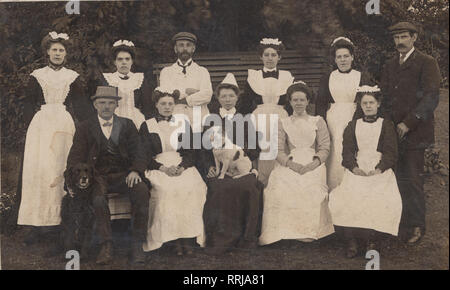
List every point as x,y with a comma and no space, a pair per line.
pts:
111,145
410,85
191,79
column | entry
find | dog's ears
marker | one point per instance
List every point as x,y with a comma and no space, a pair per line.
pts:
236,156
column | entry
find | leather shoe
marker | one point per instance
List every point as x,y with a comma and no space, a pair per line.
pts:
416,235
106,254
137,254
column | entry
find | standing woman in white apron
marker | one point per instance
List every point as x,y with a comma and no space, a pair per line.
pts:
265,94
135,93
336,103
54,98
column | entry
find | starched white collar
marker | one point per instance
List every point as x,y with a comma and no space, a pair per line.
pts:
407,54
227,113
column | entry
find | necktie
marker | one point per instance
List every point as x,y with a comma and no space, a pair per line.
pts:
402,58
184,66
124,77
107,124
270,74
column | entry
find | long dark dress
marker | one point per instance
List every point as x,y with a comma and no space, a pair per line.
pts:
336,104
176,202
370,202
232,212
54,104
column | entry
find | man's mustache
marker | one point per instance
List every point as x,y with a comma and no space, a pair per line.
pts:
401,46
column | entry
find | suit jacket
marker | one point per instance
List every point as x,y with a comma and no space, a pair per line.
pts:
410,95
87,143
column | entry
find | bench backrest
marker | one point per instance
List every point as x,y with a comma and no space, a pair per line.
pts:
306,67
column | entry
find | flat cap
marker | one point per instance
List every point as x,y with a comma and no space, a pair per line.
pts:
402,27
185,36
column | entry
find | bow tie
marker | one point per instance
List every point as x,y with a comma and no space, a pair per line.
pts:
270,74
184,66
229,114
160,118
107,124
125,77
370,119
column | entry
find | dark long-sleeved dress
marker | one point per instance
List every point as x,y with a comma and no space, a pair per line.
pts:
265,95
232,212
54,103
374,201
336,104
176,202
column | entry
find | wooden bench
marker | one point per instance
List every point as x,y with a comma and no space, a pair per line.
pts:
119,206
306,67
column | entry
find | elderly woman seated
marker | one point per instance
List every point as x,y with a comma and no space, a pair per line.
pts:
232,209
178,191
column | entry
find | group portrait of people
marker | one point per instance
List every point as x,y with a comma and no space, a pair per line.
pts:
355,163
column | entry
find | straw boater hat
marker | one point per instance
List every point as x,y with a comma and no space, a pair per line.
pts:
228,82
107,92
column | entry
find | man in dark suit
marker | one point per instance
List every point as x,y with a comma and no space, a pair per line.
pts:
111,144
410,84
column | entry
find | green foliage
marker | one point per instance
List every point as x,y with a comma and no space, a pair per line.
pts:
221,25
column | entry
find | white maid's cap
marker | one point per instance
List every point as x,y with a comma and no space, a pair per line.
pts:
55,35
368,89
123,42
270,41
230,80
341,38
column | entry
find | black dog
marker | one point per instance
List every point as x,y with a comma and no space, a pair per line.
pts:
77,214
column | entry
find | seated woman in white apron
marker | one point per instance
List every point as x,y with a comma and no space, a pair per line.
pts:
178,192
296,197
134,90
265,95
368,198
54,99
336,102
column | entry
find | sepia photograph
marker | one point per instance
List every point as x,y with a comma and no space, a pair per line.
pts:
224,135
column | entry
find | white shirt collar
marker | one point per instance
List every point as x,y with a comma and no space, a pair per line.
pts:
408,54
103,121
269,70
180,63
106,129
229,113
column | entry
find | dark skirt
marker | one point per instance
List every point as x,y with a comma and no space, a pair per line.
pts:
232,213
